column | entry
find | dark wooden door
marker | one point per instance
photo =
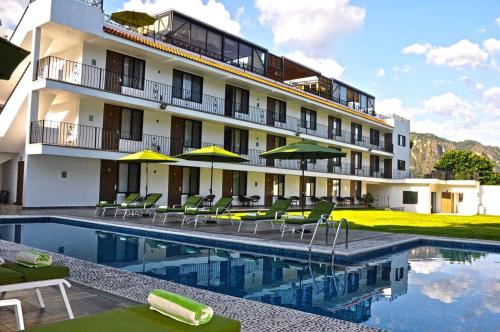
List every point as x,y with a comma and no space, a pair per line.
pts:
352,189
268,189
329,188
174,185
270,144
353,162
111,127
227,183
108,181
271,107
176,136
114,71
20,183
330,126
388,168
388,142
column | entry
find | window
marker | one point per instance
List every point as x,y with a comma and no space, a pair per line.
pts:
410,197
460,197
335,126
237,100
192,134
198,36
131,124
335,188
230,50
239,183
356,132
356,160
133,72
343,95
279,185
374,137
278,107
401,165
308,118
245,56
401,140
310,186
357,189
190,181
214,43
337,161
187,86
236,140
363,103
374,164
129,178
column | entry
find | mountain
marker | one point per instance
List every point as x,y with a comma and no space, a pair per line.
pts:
427,148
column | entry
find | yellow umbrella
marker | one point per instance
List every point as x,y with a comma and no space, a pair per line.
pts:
147,156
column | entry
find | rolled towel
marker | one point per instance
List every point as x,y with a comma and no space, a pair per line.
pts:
179,307
2,261
33,259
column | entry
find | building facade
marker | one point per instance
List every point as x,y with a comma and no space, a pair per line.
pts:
92,91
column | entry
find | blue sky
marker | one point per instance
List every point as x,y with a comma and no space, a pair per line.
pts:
436,62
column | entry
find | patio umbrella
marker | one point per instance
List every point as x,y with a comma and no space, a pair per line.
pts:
212,154
303,151
147,156
10,57
133,19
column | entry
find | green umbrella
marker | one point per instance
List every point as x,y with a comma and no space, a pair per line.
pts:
147,156
10,57
303,151
212,154
133,19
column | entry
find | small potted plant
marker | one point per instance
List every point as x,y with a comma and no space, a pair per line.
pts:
368,199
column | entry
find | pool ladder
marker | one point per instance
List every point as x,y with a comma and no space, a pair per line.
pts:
337,231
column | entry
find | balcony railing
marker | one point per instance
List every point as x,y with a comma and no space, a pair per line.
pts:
101,79
88,137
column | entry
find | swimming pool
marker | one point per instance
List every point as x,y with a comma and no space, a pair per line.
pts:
420,289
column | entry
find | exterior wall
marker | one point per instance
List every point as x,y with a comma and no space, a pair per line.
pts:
401,127
489,200
470,202
45,187
395,194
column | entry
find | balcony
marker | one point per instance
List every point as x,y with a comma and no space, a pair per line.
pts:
94,138
71,72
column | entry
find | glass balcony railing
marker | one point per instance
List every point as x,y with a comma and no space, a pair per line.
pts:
88,137
67,71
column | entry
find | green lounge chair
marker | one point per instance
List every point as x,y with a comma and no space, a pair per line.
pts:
138,208
16,277
104,205
195,215
191,202
279,207
137,318
319,214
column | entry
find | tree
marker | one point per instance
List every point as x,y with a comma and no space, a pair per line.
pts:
468,165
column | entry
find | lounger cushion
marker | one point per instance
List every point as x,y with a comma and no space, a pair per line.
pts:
38,273
8,276
300,221
103,205
254,217
139,318
170,209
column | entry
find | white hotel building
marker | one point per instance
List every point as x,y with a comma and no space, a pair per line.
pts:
92,91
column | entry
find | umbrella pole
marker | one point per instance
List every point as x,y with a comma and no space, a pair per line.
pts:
211,176
147,177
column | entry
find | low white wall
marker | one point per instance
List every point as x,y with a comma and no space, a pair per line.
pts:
489,200
45,186
395,194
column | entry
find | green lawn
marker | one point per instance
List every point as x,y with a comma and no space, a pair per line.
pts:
473,227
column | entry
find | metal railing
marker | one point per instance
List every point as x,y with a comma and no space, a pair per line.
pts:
95,138
105,80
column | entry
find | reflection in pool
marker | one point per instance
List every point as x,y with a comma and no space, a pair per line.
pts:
423,289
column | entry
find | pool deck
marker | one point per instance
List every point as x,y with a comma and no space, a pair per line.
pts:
255,316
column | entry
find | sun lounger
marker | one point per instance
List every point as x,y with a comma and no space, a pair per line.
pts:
195,215
279,207
191,202
138,208
137,318
15,277
319,214
103,205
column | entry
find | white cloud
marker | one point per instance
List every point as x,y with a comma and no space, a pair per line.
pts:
11,11
211,12
459,55
447,105
447,290
417,48
491,98
492,45
380,72
312,24
327,66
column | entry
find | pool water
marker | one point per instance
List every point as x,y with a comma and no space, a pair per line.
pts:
422,289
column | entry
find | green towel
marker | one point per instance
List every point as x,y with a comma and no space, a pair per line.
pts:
179,307
33,259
